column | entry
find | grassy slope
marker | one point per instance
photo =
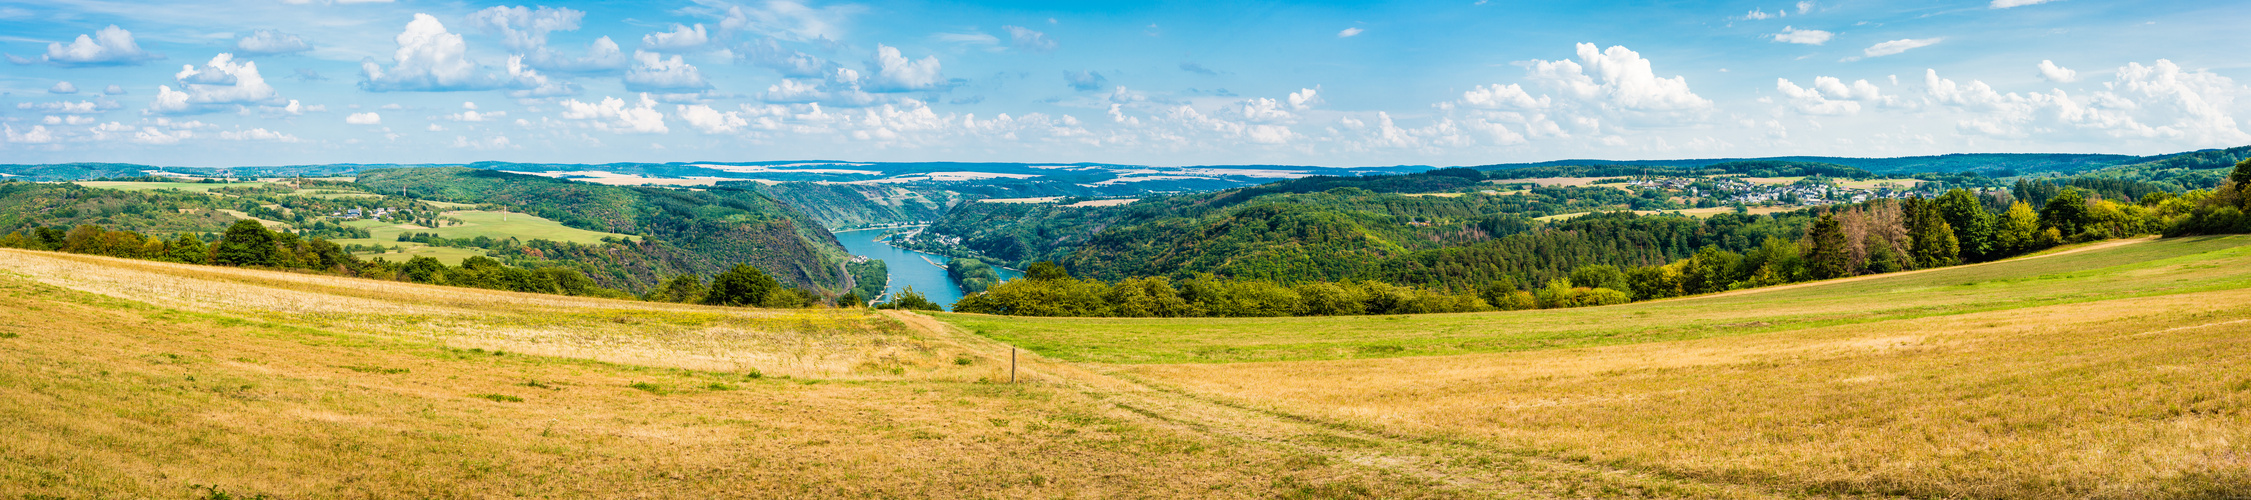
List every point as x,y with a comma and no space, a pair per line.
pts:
2140,269
2121,371
142,380
497,225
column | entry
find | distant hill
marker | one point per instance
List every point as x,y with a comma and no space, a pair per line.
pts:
1989,163
702,232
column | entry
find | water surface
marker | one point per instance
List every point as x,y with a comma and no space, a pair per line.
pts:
925,272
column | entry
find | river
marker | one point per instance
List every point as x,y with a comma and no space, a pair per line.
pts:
908,267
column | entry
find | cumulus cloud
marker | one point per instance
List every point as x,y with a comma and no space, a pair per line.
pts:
1350,32
63,88
1304,99
67,120
1617,78
110,46
38,134
1757,15
1085,80
2003,4
113,90
681,39
651,72
431,59
1898,46
896,73
613,115
1497,96
2158,102
364,119
268,42
2051,72
1792,34
1026,39
711,121
1805,6
1832,96
474,116
603,56
219,83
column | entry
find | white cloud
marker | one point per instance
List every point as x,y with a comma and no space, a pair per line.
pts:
1757,15
1350,32
67,120
710,121
37,135
2051,72
1304,99
1898,46
1830,96
431,59
257,134
1791,34
474,116
896,73
1026,39
2003,4
612,115
2159,102
266,42
1617,78
63,88
222,81
651,72
793,91
1805,6
603,56
364,119
109,46
488,143
113,90
97,105
680,39
525,29
969,38
1499,96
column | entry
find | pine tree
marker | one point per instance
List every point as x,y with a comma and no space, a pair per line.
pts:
1828,258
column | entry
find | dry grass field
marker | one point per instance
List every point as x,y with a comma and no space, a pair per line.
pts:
129,379
2118,370
2113,370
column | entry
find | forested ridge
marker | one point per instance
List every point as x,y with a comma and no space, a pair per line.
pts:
687,232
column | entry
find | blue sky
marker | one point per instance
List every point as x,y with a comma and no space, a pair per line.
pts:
265,82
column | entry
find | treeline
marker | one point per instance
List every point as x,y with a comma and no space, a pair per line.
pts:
971,274
743,285
249,244
1046,290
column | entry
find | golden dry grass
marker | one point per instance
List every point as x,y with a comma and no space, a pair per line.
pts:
103,396
2122,370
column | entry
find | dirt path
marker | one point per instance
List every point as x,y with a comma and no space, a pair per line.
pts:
1472,468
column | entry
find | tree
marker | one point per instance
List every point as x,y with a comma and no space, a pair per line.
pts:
2016,231
2067,212
186,248
2242,173
1972,225
1933,240
1045,270
851,299
423,270
247,243
1828,257
912,300
683,288
741,286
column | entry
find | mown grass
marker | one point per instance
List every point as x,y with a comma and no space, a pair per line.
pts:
2121,371
239,382
2130,270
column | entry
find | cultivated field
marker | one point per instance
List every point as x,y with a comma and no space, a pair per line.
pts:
2117,370
497,225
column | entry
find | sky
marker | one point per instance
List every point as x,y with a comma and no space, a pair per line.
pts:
1468,82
